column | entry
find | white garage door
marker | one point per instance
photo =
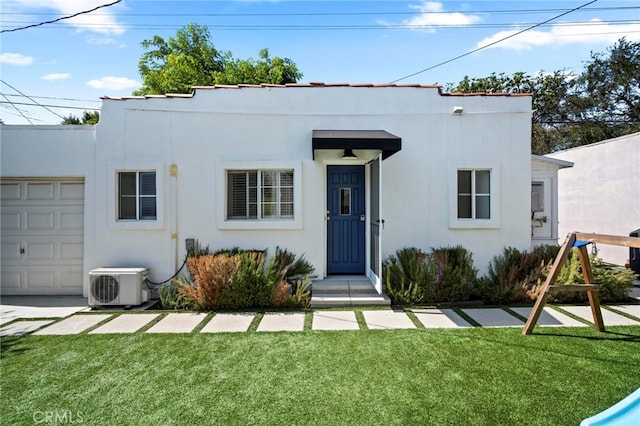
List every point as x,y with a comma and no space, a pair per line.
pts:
42,236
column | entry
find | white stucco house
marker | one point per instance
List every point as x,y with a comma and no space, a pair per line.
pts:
345,174
601,193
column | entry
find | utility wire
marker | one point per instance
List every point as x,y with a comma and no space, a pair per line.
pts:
495,42
443,12
32,100
50,97
61,18
52,106
17,109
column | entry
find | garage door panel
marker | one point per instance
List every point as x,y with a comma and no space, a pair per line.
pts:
41,251
11,191
11,221
40,191
46,220
38,279
10,250
72,220
11,279
40,221
72,191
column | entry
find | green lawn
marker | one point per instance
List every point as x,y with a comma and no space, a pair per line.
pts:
557,376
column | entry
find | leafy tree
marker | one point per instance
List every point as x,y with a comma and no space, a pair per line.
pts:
601,102
604,101
266,70
89,117
190,59
71,120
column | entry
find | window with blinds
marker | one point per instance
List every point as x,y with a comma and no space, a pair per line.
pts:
260,194
137,196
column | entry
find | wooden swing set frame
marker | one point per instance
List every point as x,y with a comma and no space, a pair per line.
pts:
578,240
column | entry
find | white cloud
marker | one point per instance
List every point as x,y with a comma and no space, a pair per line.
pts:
56,76
432,14
102,21
15,59
113,83
593,32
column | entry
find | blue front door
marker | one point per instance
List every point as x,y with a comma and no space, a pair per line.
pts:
345,220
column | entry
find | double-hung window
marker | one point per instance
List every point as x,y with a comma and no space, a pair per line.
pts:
260,194
137,197
474,194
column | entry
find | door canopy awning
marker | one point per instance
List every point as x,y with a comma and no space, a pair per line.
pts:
357,139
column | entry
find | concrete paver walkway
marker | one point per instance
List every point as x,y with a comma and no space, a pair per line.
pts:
335,320
74,324
125,323
493,317
321,320
550,317
19,328
440,318
177,323
229,323
282,321
387,319
609,318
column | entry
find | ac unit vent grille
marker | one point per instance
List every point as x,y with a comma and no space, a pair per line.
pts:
105,289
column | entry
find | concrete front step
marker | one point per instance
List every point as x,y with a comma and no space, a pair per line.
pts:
342,300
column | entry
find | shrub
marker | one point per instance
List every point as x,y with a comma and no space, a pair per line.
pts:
409,276
170,297
615,283
458,279
445,275
239,279
211,275
515,276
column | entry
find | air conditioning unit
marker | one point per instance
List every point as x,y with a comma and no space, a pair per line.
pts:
118,286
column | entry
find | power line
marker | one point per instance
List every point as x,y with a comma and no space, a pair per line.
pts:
51,106
32,100
493,43
266,14
61,18
16,108
50,97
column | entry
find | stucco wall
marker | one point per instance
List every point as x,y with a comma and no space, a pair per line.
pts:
601,193
199,135
269,124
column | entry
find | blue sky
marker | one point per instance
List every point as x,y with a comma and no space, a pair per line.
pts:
66,66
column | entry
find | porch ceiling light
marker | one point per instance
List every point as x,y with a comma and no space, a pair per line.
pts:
348,153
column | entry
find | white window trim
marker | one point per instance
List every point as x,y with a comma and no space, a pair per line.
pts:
115,167
494,221
221,195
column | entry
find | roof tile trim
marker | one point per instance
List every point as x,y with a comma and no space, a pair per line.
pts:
312,84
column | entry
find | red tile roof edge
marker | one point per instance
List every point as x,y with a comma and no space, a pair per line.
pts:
312,84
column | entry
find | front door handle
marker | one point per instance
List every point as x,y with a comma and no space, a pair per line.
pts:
362,218
328,215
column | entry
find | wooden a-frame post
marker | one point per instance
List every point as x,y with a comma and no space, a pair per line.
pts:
589,286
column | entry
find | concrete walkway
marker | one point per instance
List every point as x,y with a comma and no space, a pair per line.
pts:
366,318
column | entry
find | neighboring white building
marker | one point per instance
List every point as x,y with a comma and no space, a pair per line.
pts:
266,166
544,199
601,193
